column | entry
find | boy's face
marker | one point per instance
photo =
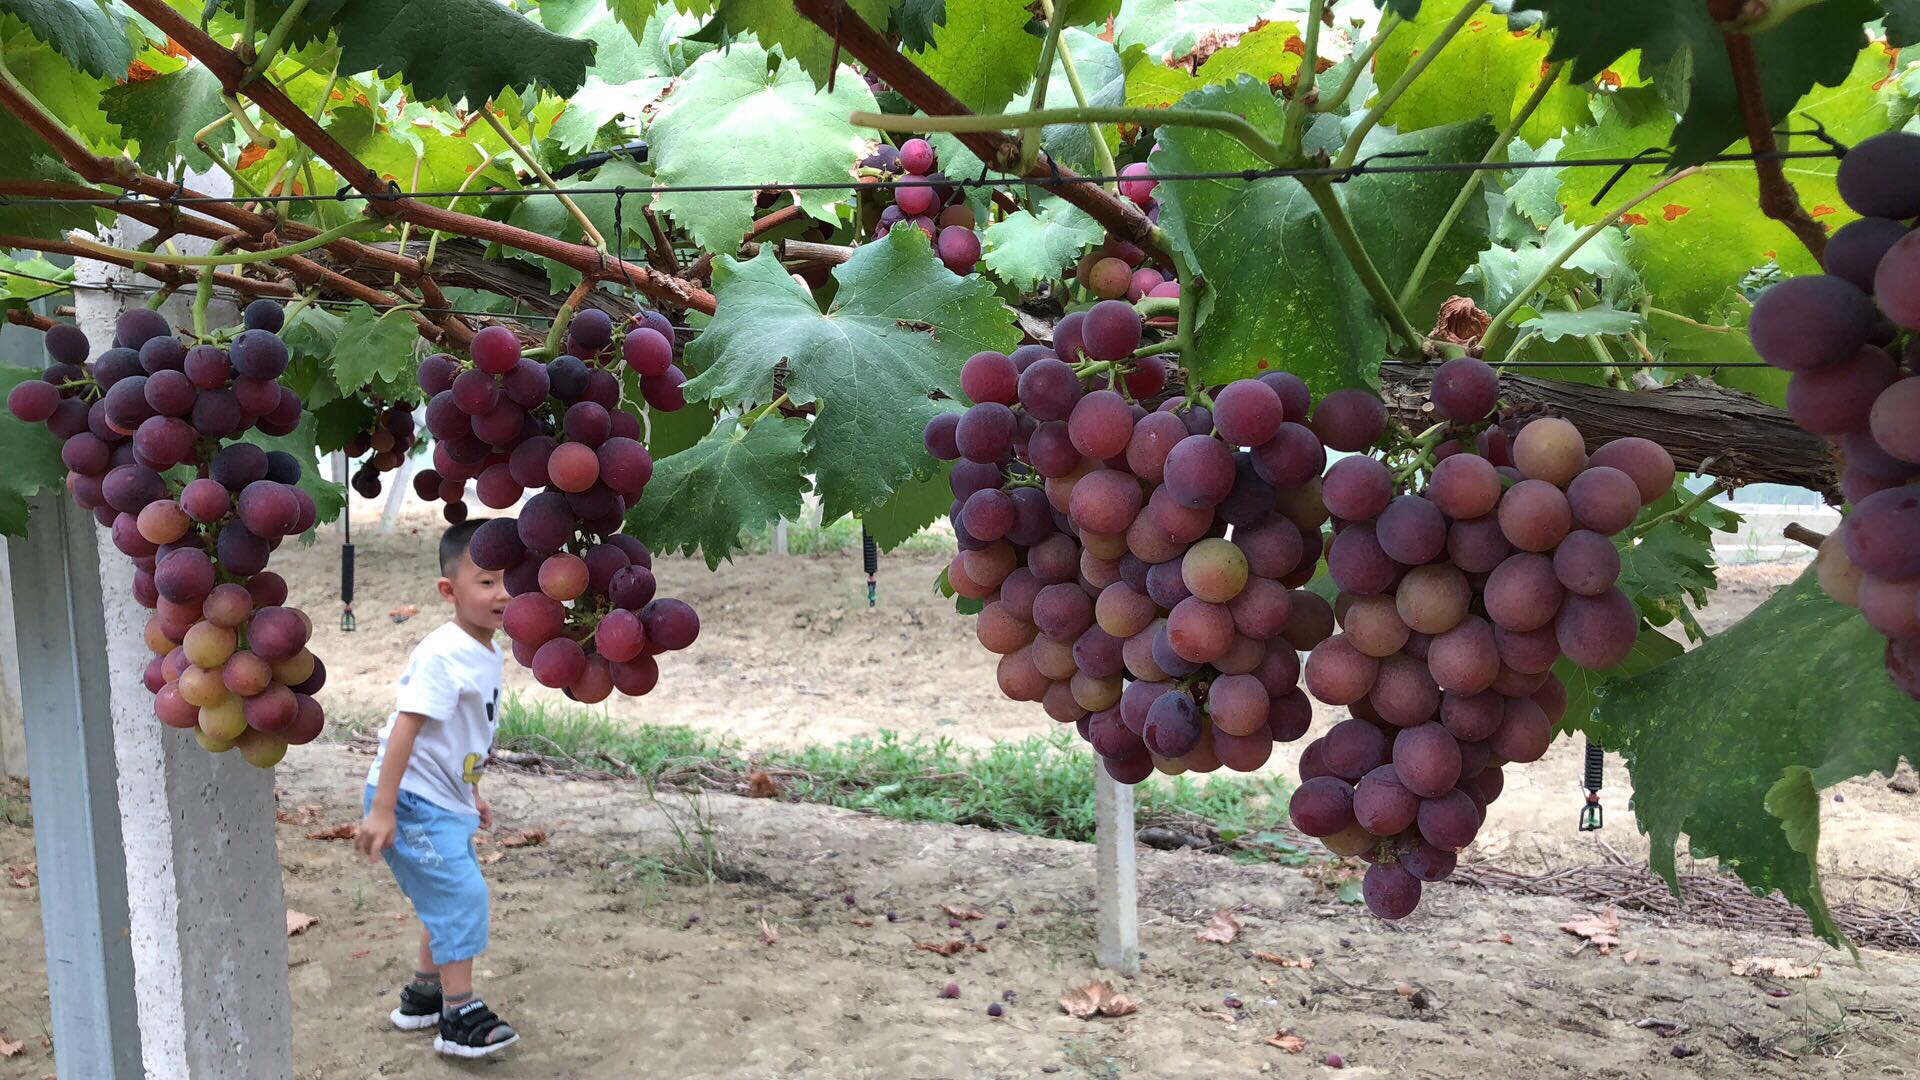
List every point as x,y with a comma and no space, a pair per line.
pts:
478,596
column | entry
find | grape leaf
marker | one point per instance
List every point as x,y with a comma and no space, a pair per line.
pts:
92,37
915,504
1488,68
374,348
898,329
1105,80
1169,28
1396,213
1726,743
1406,9
1818,45
16,288
732,481
1599,319
1902,21
1028,247
714,129
1668,568
1271,54
337,422
65,91
1502,272
778,25
916,20
458,49
32,455
303,443
983,54
164,113
1650,649
1721,339
599,102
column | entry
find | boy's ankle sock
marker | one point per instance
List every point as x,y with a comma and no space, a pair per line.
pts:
451,1003
426,982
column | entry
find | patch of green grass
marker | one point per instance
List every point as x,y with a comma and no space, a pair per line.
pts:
838,536
1040,786
16,809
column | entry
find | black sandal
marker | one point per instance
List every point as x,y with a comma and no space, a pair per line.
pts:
470,1031
418,1011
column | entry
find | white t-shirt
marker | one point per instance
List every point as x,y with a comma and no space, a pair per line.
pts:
453,681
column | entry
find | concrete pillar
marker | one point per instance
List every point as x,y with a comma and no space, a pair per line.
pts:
1116,886
13,721
206,911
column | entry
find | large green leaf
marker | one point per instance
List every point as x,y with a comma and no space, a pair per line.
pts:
93,38
164,113
1668,567
1651,649
983,54
1271,54
22,280
733,121
598,103
732,481
1487,68
1501,273
458,49
778,25
898,329
67,92
32,455
1396,213
1727,743
915,505
1818,45
1721,338
1902,22
1028,247
1170,28
375,349
1600,319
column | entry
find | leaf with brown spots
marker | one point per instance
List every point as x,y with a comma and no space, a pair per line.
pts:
1304,963
525,838
960,912
1096,999
23,875
299,921
1221,929
761,785
335,832
1601,931
1287,1041
1773,967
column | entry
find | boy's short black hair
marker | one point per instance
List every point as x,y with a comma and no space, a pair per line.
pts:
454,542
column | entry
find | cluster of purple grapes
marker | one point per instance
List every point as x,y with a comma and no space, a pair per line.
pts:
385,445
1140,569
1839,334
938,207
1454,605
583,616
1113,271
229,658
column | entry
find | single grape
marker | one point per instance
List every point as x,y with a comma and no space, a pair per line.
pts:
1350,420
1875,176
1111,330
1808,322
1895,420
1338,673
1465,390
1320,806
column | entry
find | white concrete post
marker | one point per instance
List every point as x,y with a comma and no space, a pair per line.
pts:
13,719
1116,886
780,537
206,909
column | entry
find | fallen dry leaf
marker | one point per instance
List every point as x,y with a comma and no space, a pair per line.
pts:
1221,929
863,923
8,1049
1601,931
1304,963
305,814
404,612
23,875
298,921
525,838
1268,980
1777,967
761,785
768,934
960,912
1096,999
492,857
336,832
943,948
1503,939
1630,956
359,954
1287,1041
1223,1017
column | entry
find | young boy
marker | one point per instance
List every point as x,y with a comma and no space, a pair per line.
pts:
423,803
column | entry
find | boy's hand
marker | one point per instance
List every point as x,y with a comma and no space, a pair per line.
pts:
375,833
486,809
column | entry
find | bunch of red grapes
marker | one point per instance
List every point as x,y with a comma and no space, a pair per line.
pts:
385,445
938,207
147,430
1455,603
1141,569
1843,335
1114,270
583,616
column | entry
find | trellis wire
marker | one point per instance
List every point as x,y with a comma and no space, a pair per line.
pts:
1326,172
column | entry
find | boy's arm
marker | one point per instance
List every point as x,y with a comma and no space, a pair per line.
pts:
480,804
377,829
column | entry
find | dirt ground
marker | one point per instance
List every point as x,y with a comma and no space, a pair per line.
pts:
616,958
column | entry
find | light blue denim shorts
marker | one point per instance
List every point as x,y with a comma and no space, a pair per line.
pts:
432,859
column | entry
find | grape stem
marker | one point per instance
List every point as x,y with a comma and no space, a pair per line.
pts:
320,239
276,37
254,135
1495,153
1029,143
1600,352
1152,306
1233,125
533,164
1298,111
1684,510
1336,218
557,333
203,289
1360,61
1494,329
747,422
1102,155
1392,94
